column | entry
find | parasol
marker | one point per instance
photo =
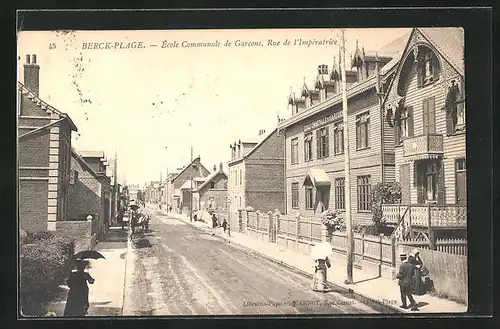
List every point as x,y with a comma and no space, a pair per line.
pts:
88,254
321,250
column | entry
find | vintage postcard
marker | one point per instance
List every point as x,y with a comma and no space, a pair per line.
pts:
242,172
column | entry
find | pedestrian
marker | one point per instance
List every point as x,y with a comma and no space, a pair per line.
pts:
77,303
405,276
224,224
321,267
420,271
214,221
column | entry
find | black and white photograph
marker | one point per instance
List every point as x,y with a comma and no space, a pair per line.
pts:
212,172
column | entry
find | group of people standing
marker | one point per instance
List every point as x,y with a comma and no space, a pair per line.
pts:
410,276
215,222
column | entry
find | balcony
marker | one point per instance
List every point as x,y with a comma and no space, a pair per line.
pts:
423,146
418,215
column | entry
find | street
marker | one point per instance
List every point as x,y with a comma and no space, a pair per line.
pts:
179,270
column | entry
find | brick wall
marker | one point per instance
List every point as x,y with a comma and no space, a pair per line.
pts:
85,194
34,150
33,205
79,231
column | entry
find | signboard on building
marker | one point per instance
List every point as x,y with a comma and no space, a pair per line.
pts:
323,121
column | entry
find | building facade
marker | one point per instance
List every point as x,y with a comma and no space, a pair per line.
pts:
425,106
314,136
44,156
212,193
256,174
192,170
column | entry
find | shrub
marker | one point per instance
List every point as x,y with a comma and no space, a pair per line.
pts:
388,192
45,263
334,220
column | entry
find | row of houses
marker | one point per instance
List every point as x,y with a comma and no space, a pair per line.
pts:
59,187
406,116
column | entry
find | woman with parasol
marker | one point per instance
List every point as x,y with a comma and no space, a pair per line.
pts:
320,253
77,303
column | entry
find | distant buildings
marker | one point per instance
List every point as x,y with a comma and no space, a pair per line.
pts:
256,174
211,195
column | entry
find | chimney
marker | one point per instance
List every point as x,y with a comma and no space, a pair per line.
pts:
262,132
220,166
32,74
215,168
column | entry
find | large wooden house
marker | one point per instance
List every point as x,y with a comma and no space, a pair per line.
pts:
425,108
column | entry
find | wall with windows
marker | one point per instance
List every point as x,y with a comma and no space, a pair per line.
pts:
236,185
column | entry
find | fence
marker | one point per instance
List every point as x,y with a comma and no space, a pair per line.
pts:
450,246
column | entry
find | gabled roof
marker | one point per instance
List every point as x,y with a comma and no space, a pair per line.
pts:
189,165
80,159
260,143
92,154
187,184
449,41
43,105
211,177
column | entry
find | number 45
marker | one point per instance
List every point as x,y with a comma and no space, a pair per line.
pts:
52,45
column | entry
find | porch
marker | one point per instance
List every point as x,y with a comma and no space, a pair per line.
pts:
425,215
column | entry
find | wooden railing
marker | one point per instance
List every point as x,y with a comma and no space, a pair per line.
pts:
425,215
427,143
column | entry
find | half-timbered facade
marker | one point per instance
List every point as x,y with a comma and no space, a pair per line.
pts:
314,147
425,107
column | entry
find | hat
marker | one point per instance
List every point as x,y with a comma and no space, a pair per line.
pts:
402,254
414,252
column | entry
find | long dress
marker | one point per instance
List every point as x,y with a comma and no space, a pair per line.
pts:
320,270
418,283
78,295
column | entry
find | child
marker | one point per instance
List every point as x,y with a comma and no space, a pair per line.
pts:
224,225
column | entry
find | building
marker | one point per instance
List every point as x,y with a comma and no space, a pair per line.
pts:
192,170
211,195
85,195
44,156
425,106
98,163
256,174
314,136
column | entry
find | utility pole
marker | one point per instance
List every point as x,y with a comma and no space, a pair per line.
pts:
191,191
347,168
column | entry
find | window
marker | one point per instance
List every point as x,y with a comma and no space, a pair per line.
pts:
322,143
295,151
364,193
339,193
338,138
212,185
403,124
431,181
241,175
455,108
460,164
309,197
308,138
427,67
429,115
295,195
363,131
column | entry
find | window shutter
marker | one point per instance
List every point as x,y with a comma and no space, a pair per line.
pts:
419,178
432,114
440,184
420,74
449,124
368,135
435,68
396,135
425,114
305,148
327,142
318,144
409,120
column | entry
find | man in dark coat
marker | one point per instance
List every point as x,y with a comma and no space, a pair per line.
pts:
405,276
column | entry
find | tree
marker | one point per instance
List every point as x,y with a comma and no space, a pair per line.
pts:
388,192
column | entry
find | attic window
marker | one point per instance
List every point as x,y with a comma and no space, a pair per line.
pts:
428,68
212,185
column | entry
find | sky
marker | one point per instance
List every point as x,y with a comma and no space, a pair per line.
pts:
150,105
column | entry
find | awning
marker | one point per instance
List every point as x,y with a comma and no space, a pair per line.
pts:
317,177
418,157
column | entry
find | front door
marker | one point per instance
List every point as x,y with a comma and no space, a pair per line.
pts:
322,197
461,182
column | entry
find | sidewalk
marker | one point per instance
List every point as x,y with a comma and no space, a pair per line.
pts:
106,294
380,293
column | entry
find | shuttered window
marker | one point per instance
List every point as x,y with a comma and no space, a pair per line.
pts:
295,195
340,193
308,139
364,193
323,144
405,126
338,138
429,115
363,130
295,151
